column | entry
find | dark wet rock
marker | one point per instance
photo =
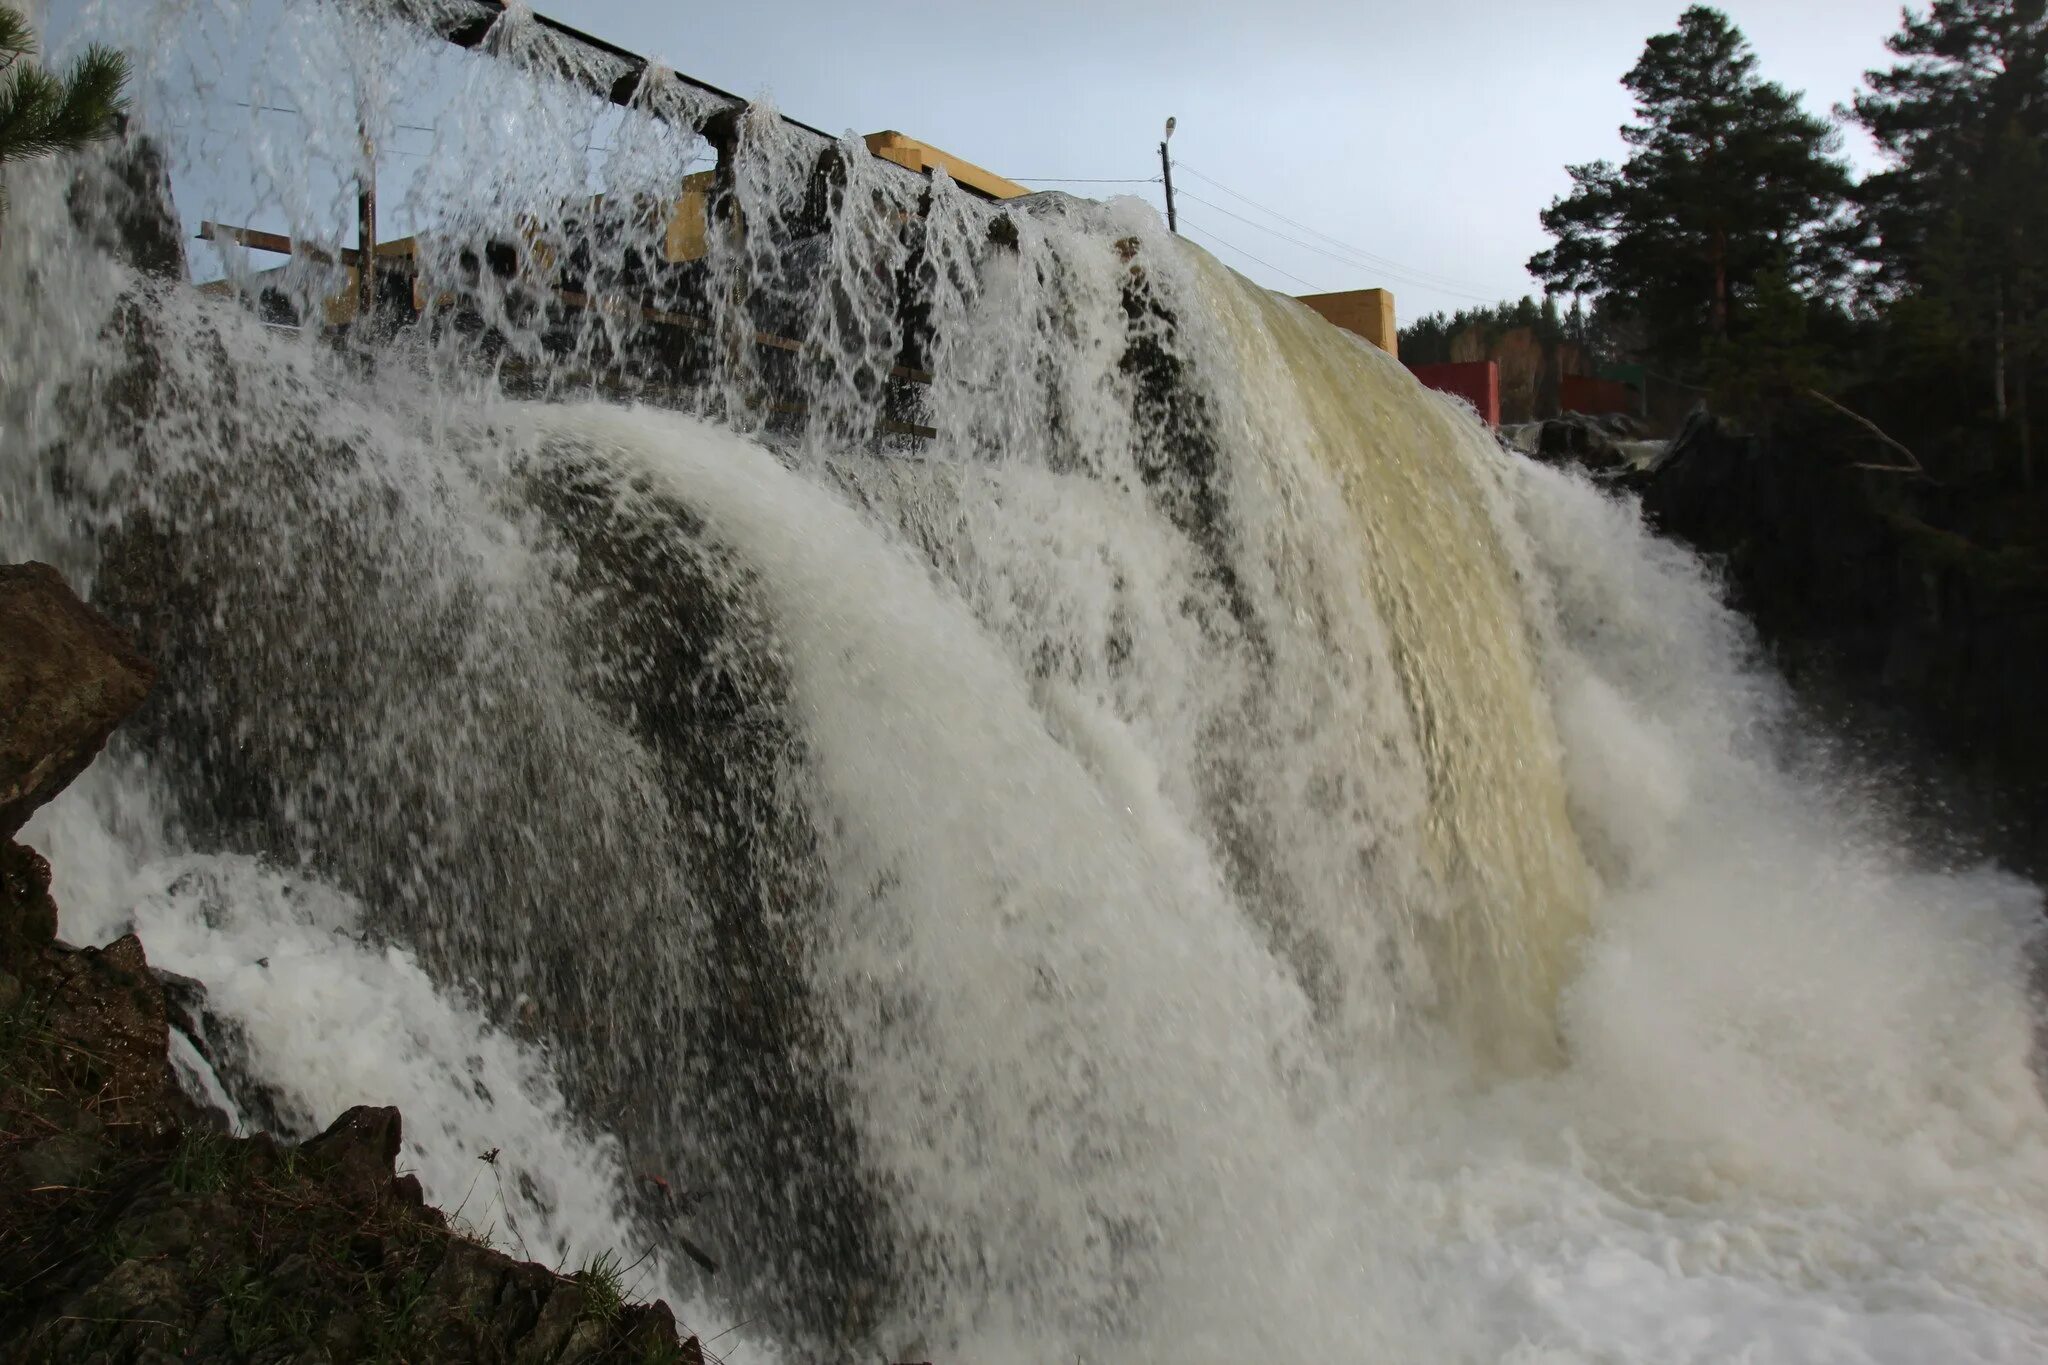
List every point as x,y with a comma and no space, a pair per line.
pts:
323,717
103,1003
67,678
28,917
125,208
679,649
67,1159
224,1046
1578,439
359,1149
1623,426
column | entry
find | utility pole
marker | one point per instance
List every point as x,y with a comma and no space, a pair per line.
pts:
1166,171
366,216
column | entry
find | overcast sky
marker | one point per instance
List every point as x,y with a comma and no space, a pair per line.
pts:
1426,134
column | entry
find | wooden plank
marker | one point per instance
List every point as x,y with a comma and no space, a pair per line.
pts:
274,242
280,245
908,152
688,234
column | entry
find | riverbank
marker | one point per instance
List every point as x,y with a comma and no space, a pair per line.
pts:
1904,594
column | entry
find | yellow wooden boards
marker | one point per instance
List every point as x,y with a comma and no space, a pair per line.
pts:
1367,312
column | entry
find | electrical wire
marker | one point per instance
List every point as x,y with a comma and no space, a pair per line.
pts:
296,113
1357,256
1451,284
1400,277
1370,256
1192,227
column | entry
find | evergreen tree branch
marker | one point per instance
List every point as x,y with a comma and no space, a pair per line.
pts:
41,114
17,40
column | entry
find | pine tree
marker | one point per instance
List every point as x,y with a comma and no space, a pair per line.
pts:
1729,181
1960,218
41,113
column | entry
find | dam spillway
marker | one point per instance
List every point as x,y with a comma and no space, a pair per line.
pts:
1203,854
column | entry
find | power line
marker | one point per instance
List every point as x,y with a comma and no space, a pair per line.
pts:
1248,255
1076,180
1306,246
1371,256
298,113
1448,283
1402,276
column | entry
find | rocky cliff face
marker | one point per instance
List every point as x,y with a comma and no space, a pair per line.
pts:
132,1227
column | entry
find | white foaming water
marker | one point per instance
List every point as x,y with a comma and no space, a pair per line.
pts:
1799,1119
1199,855
325,1019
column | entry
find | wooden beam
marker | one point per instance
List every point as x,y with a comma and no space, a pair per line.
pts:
278,244
275,242
922,157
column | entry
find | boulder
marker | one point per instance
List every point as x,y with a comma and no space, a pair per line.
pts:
106,1009
1577,439
67,678
360,1150
1623,426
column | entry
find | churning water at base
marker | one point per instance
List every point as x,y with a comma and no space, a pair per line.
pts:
1196,854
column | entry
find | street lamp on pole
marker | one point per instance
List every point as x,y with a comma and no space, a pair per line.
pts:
1166,173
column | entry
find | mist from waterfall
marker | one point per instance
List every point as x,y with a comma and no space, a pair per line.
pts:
1141,835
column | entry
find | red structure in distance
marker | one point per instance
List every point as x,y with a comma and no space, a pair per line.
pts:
1475,381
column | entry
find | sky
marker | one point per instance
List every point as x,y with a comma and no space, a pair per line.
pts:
1427,136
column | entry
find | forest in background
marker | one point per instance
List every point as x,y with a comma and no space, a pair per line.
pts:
1734,249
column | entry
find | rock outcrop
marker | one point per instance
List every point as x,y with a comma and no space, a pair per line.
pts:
67,678
1591,442
132,1228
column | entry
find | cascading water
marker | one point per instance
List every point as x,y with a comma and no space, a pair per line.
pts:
1078,811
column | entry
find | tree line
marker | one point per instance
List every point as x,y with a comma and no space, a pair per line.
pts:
1735,249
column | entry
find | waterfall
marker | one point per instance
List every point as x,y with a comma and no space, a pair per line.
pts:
1033,798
